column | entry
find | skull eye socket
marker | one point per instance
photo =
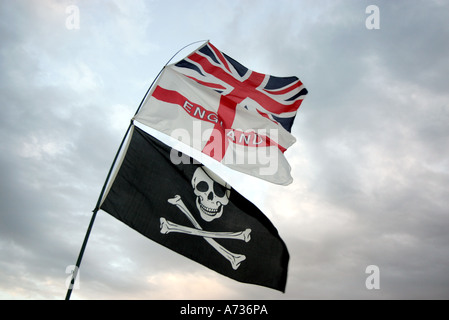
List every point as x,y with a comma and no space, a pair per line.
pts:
202,186
219,190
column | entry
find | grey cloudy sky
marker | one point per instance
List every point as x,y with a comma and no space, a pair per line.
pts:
370,164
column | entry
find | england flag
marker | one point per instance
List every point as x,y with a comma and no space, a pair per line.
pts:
236,116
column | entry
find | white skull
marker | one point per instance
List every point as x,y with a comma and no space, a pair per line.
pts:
211,195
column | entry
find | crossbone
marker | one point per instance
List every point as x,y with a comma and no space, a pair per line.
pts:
233,258
168,226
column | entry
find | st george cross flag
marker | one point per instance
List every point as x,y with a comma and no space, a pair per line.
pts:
190,210
239,117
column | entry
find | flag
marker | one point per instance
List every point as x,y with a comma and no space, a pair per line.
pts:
190,210
275,98
238,117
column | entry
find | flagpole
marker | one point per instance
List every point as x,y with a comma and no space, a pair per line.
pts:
94,215
97,206
145,96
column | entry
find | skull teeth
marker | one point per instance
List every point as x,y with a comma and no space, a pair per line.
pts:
208,210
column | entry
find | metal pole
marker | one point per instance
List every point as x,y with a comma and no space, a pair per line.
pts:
94,214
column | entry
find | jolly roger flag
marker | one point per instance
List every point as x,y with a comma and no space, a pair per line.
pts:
188,209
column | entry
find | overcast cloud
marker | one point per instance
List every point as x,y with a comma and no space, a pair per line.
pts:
370,165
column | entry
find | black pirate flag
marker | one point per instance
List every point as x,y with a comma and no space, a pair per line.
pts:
190,210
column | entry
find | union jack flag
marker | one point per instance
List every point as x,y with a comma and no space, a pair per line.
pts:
241,112
275,98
